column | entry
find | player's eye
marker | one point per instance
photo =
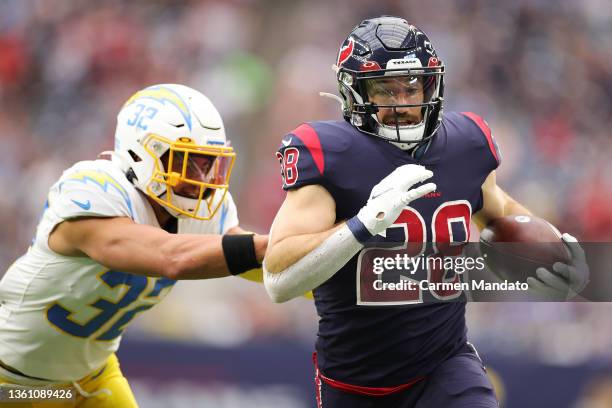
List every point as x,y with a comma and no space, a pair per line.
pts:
377,90
387,92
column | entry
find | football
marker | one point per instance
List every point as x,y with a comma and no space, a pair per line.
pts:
515,246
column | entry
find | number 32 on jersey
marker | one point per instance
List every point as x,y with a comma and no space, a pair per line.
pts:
110,317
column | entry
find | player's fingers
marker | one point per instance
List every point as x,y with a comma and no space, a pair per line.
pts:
540,288
568,237
401,173
418,192
410,174
552,280
388,183
537,286
576,278
574,247
562,269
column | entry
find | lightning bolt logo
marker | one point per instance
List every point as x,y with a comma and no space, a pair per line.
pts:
102,180
163,94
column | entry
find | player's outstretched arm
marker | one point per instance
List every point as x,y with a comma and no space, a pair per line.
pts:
306,248
120,244
256,275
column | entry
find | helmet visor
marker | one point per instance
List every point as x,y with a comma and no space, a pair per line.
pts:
401,100
188,171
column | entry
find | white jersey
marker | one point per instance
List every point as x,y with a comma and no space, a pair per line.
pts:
61,317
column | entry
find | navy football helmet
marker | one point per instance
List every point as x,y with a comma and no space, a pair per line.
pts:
391,81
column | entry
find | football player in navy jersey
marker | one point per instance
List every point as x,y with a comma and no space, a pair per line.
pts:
395,172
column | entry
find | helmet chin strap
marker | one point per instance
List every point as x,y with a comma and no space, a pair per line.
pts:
184,203
408,137
170,211
404,146
416,148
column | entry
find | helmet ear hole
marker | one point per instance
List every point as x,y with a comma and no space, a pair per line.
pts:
131,176
134,156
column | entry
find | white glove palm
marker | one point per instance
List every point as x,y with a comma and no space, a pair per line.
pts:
389,197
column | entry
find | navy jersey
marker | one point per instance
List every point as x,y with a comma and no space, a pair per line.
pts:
366,338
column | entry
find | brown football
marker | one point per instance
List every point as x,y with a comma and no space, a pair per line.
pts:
516,245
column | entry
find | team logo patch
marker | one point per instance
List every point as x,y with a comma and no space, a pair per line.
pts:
404,63
345,52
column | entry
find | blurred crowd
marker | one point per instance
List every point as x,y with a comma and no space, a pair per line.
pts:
540,73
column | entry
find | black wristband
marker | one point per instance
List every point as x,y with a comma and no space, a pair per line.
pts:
239,252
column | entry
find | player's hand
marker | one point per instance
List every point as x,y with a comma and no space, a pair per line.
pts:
401,179
567,280
389,197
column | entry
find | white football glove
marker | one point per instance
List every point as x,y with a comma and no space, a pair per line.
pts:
401,179
567,280
389,197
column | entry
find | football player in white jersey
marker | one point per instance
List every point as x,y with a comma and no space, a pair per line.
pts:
114,237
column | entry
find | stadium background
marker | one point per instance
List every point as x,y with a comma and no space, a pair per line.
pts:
540,72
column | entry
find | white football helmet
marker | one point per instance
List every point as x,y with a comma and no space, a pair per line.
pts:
170,142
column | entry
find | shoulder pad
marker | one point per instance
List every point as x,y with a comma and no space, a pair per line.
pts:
91,189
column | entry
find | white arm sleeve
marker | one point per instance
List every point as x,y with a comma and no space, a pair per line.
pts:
314,268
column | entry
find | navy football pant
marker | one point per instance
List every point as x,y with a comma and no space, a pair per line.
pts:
459,382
